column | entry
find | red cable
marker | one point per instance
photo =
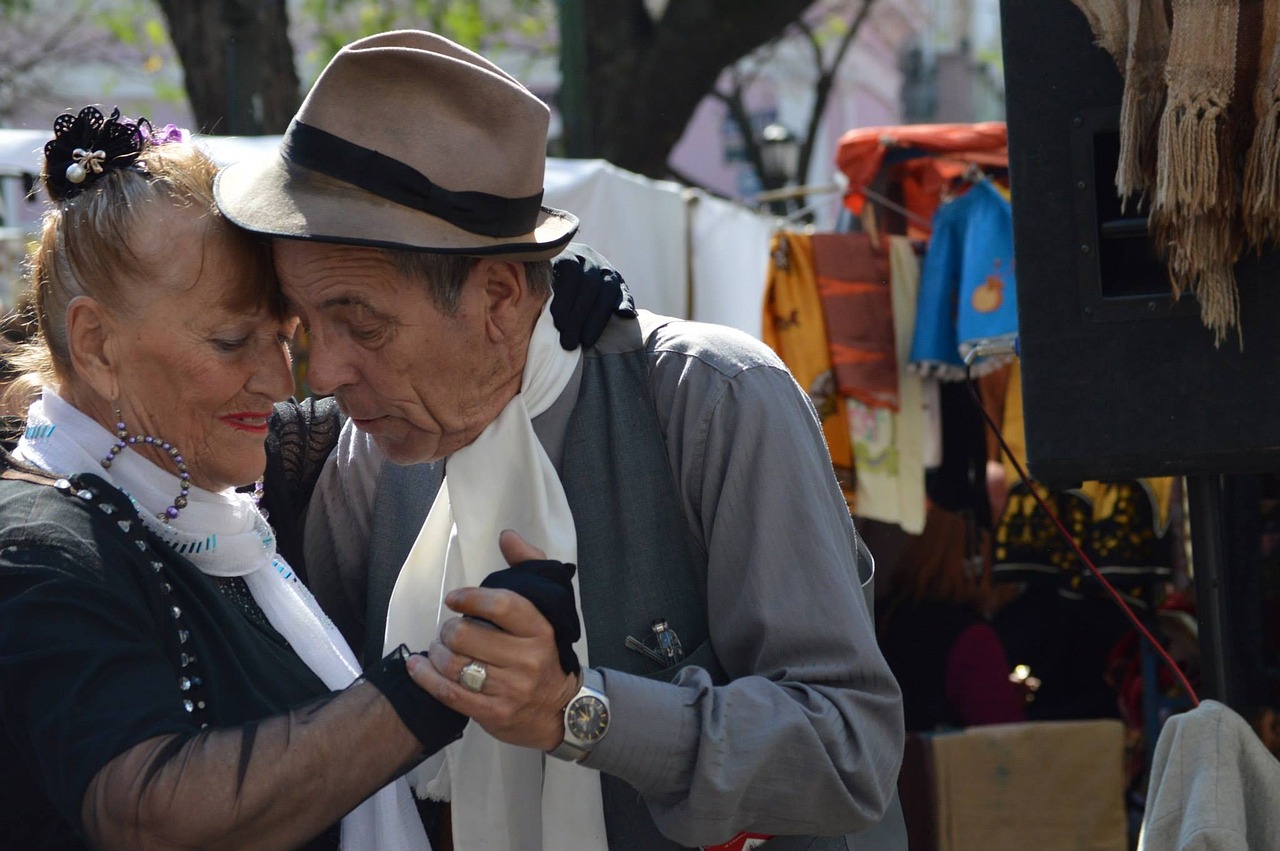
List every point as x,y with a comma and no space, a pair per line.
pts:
1119,600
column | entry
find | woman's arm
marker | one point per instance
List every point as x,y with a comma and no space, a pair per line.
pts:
89,699
264,785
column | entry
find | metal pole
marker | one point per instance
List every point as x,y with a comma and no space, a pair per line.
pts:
240,20
1207,517
575,113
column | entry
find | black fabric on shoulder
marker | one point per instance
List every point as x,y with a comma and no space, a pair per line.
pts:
588,293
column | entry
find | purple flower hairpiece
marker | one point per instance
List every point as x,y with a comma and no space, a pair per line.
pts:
168,133
87,145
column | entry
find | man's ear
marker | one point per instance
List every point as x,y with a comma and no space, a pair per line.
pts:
506,296
89,338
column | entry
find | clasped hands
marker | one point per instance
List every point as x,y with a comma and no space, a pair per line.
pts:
520,625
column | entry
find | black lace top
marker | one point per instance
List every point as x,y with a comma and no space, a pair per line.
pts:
301,437
108,639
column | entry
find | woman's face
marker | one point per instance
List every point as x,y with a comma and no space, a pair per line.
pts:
194,369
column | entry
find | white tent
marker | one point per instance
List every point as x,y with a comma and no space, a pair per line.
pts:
683,252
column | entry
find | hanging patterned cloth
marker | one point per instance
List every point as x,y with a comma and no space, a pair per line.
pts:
795,329
853,283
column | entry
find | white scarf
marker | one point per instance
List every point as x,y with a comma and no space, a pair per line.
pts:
506,798
224,534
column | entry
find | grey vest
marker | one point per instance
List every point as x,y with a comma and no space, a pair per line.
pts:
637,558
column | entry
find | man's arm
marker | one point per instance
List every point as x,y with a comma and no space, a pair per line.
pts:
808,735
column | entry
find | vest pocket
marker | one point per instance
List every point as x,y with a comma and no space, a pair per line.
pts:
703,656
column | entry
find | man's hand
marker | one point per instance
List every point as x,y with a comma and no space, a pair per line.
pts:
525,690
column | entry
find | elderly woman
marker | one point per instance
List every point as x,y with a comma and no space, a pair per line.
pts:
165,679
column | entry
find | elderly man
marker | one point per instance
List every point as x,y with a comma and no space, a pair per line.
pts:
730,684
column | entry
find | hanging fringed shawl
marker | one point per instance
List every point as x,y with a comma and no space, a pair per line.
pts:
1187,119
1144,97
1262,169
1109,20
1136,34
1207,122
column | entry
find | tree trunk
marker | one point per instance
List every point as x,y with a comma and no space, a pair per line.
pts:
647,77
237,63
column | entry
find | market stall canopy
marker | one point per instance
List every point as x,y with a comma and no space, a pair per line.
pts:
946,150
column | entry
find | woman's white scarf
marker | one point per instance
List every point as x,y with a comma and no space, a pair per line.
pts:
225,535
505,798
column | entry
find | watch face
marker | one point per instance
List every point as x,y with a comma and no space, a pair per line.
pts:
587,718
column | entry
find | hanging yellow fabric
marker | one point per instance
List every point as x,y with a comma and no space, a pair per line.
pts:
794,328
1100,496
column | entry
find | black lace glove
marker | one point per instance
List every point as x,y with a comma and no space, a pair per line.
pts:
547,584
434,724
588,292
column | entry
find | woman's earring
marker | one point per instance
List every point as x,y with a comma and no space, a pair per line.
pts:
124,440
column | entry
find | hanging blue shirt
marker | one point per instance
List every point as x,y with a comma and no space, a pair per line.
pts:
966,282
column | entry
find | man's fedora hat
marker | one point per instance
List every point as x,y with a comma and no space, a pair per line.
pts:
407,140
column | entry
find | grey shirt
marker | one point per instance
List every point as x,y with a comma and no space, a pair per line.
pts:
807,736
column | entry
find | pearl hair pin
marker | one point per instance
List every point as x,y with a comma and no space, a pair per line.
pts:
85,162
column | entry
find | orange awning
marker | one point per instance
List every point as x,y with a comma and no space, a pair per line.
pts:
861,153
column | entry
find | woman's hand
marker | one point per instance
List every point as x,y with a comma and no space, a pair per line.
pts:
588,293
526,685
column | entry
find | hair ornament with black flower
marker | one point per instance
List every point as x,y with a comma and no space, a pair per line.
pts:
86,146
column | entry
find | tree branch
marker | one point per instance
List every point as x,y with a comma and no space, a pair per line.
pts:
824,85
803,25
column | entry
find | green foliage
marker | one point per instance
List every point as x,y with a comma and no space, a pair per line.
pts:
465,21
130,21
170,92
123,28
156,32
477,24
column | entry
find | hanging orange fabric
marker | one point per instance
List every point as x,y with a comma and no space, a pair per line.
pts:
795,329
853,281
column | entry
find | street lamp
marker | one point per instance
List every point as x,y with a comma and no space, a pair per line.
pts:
779,155
779,161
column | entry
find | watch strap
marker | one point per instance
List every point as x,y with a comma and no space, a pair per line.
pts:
569,752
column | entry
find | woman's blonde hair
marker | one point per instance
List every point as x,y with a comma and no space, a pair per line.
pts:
86,247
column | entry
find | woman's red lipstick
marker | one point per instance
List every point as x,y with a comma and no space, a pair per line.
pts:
254,422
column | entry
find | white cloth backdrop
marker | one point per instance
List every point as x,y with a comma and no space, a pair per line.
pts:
668,242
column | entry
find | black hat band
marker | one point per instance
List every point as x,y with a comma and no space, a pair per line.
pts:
387,177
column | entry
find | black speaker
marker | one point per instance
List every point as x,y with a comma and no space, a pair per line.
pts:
1119,380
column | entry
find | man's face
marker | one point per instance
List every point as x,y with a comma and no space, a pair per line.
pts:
421,382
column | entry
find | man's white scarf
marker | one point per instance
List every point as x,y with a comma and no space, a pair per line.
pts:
505,798
224,534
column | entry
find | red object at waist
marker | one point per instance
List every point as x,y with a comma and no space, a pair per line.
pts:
741,842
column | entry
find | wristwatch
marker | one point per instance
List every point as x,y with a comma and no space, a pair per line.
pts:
586,719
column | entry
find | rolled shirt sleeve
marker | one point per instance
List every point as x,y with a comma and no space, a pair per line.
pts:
807,736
